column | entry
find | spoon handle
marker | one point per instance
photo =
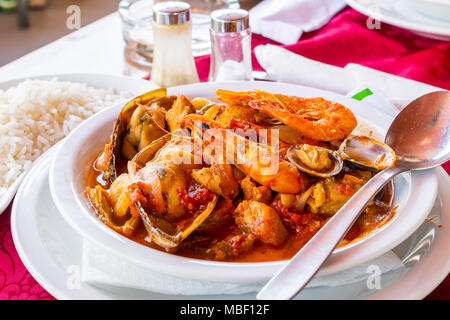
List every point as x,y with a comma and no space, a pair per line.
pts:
296,274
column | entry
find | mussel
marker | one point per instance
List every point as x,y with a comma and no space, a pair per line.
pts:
163,233
200,104
157,180
147,153
364,152
140,122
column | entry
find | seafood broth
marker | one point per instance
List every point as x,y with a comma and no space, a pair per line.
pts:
379,214
224,211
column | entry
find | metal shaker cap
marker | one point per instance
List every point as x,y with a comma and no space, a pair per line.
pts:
171,12
229,20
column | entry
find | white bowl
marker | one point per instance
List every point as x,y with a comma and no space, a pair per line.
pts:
414,196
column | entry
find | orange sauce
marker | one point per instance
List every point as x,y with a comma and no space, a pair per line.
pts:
373,218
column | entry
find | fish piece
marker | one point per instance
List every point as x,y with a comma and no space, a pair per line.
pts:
219,179
232,246
260,220
253,192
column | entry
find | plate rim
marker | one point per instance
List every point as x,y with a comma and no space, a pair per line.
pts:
400,21
440,271
394,291
261,271
33,236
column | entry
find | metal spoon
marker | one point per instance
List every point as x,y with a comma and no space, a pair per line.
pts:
420,137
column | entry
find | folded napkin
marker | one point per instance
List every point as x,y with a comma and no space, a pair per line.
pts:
100,267
285,66
285,20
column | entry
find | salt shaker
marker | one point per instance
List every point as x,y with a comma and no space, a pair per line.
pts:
230,45
173,62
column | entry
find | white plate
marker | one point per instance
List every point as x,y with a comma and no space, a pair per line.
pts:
51,251
402,14
414,196
119,83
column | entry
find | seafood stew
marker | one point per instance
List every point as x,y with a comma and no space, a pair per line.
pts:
211,178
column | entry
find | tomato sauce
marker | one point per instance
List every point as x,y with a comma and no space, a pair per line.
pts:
301,226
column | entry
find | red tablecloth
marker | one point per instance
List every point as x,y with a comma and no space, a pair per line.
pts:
344,39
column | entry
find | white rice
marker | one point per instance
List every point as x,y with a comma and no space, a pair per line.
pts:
38,113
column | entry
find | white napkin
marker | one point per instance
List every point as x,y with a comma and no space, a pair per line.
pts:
285,20
103,268
285,66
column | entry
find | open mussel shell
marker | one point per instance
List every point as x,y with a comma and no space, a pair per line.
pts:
333,169
120,127
163,233
205,108
367,153
200,105
146,154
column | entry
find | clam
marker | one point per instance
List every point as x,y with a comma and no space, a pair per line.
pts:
316,161
364,152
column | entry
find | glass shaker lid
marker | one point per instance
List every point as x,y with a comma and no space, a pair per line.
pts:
229,20
171,12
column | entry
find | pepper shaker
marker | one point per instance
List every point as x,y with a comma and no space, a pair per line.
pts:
173,62
230,45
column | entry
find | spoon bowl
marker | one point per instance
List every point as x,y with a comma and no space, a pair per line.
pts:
420,133
367,153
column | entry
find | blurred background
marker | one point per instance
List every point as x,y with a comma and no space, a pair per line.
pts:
26,25
46,20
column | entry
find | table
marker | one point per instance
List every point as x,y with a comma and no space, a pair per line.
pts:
78,52
98,48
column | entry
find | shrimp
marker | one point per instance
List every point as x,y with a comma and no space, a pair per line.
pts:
315,118
256,160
